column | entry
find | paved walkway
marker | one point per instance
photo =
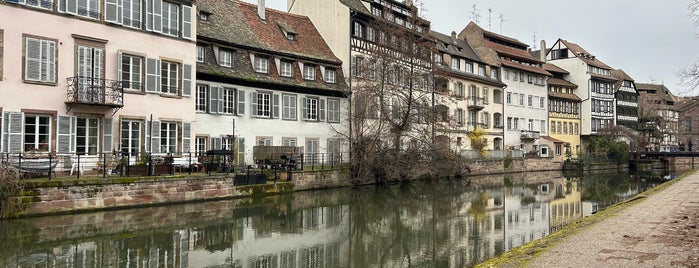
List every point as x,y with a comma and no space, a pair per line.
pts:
659,231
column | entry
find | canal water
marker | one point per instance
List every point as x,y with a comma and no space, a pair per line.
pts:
437,223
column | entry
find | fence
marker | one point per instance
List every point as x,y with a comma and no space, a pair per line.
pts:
491,154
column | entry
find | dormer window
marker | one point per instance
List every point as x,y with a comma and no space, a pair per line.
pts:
330,75
204,16
291,36
288,31
309,72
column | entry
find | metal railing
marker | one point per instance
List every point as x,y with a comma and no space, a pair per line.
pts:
95,91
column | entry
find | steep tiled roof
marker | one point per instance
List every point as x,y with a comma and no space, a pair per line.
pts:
554,69
504,38
465,51
661,90
511,51
564,96
356,5
621,75
578,51
603,77
526,68
561,82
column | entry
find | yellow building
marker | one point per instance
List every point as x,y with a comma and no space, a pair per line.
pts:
564,112
566,207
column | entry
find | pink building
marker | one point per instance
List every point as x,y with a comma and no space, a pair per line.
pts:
88,77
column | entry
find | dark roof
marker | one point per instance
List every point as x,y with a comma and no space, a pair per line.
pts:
554,69
621,75
527,68
453,45
356,5
504,38
579,51
512,51
561,82
564,96
662,90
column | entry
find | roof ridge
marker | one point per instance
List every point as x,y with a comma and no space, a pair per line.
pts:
272,9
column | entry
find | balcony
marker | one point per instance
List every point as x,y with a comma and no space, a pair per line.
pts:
476,103
95,92
528,135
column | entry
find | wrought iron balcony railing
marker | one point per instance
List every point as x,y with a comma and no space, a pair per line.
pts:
476,103
529,135
94,91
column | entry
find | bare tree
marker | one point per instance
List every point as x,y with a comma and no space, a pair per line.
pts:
690,75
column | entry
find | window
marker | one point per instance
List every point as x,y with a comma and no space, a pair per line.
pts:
289,142
288,107
558,149
262,104
509,97
228,101
202,98
131,10
542,126
358,64
481,70
169,77
330,75
130,136
286,68
469,67
200,53
459,89
170,16
227,143
86,136
312,150
542,100
334,110
261,64
310,108
370,34
485,119
459,114
309,72
39,60
485,95
494,73
358,30
37,132
455,63
131,72
85,8
509,123
90,72
200,146
521,100
168,137
263,141
497,96
497,120
225,57
559,128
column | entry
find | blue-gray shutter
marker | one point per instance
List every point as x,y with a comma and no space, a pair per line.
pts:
149,15
64,136
241,150
321,110
119,58
186,137
186,80
152,75
32,64
220,99
107,135
275,106
213,99
157,16
305,111
155,137
253,104
14,132
241,102
186,22
112,11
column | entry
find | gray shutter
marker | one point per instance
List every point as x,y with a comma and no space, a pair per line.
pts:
155,137
275,106
112,11
32,64
62,6
157,15
241,150
321,109
216,143
64,135
213,99
253,104
72,6
186,80
15,132
220,99
241,102
186,22
186,137
119,59
152,75
107,135
149,15
304,105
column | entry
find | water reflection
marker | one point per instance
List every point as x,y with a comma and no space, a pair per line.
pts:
437,223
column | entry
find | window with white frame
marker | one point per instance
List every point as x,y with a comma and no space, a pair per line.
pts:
200,53
90,71
225,57
228,143
310,108
169,77
200,145
358,30
170,17
228,101
286,68
45,4
131,136
37,132
497,120
330,75
131,13
334,110
262,104
168,137
261,64
39,60
455,63
131,72
469,67
85,8
481,70
309,72
289,141
509,98
263,141
311,150
202,98
289,107
86,136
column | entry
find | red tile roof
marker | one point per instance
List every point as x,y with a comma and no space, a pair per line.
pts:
564,96
561,82
512,52
578,51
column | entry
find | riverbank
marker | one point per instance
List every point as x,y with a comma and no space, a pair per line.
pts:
657,228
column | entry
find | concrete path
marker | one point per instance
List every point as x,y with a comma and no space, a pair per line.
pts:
659,231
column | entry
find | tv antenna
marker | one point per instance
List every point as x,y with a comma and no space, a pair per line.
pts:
475,16
502,21
534,41
490,25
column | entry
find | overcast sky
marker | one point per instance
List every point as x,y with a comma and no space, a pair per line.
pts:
650,40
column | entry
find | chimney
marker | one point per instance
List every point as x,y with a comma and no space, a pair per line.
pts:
542,53
453,36
261,9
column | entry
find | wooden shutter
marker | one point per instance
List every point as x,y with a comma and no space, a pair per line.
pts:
187,22
152,75
157,15
107,135
186,137
321,110
213,99
253,104
32,63
275,106
186,80
155,137
112,11
241,102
